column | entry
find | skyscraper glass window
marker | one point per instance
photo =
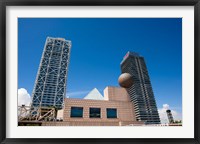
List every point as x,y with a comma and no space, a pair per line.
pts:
141,93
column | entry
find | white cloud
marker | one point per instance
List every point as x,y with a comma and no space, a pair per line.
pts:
23,97
163,115
165,106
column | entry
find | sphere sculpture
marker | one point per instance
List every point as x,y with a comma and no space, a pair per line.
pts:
125,80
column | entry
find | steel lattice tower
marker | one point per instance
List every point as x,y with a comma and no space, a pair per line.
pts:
50,84
141,93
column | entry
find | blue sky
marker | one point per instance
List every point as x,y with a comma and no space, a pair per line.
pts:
98,47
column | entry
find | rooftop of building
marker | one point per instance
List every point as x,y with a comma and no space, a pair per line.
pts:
111,93
58,38
129,53
94,94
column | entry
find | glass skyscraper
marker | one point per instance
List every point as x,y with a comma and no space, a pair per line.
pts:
141,93
50,84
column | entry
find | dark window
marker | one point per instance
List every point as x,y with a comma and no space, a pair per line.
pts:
76,111
95,112
111,113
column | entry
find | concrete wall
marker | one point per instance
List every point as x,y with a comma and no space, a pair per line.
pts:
124,110
116,94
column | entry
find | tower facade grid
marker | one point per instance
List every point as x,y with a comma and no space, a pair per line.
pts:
50,85
141,92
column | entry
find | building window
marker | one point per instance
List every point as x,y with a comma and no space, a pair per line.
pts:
76,112
95,113
111,112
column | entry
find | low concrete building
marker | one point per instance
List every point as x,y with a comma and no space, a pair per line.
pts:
114,110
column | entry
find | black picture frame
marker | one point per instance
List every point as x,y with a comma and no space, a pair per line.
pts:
5,3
